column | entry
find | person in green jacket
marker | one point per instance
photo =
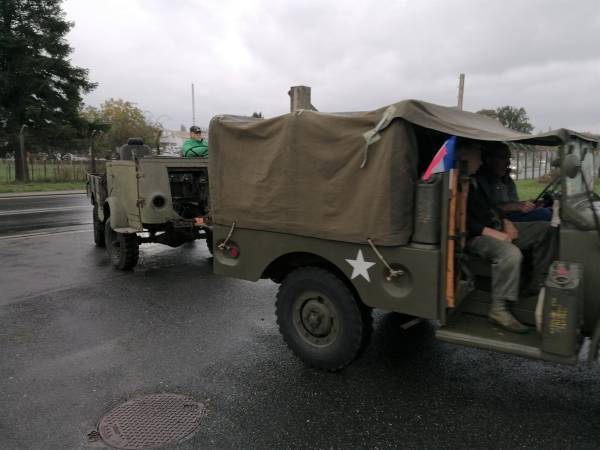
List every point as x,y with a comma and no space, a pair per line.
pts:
195,146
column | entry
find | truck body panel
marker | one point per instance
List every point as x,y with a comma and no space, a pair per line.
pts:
123,194
415,293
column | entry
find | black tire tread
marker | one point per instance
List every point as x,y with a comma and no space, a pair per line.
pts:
209,240
129,254
359,329
98,229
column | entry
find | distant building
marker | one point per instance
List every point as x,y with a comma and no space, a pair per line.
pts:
171,142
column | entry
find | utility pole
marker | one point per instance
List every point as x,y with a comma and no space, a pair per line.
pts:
193,106
461,90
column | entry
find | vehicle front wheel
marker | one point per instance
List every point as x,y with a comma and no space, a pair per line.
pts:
98,229
320,319
122,249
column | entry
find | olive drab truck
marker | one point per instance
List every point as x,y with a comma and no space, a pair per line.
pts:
148,199
331,207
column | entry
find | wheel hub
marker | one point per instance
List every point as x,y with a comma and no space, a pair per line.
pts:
317,318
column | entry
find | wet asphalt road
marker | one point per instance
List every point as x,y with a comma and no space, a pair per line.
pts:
36,213
77,338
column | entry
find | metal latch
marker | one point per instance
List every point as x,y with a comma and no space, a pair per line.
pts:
225,244
392,273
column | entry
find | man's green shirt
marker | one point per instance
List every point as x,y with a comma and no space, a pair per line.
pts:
193,148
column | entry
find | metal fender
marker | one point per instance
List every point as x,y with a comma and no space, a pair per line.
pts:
118,216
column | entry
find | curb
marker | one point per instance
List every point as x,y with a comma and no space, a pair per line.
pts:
39,193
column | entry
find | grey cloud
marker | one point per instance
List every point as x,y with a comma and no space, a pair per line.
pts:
356,55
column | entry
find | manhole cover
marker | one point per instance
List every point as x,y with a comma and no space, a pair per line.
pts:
151,421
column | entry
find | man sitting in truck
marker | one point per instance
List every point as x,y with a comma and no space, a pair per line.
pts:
494,178
496,239
195,146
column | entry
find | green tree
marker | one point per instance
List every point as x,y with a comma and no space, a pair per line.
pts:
511,117
39,87
126,121
257,115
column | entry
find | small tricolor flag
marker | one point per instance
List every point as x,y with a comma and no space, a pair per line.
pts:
443,160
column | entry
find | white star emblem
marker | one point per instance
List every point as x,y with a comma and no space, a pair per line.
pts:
360,267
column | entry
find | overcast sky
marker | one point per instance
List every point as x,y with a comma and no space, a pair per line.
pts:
243,56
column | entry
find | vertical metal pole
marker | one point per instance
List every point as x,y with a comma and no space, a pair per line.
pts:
193,106
525,168
93,152
461,90
518,163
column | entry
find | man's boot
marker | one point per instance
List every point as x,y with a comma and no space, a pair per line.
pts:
500,315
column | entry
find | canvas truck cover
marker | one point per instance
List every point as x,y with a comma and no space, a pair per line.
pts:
340,176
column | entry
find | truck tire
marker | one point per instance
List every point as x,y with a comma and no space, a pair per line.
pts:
209,240
122,249
98,229
320,319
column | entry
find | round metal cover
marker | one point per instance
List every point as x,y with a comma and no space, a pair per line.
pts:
151,421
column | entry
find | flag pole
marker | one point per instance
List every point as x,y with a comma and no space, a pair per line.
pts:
451,240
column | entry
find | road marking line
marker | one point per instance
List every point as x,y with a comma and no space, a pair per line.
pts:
25,236
18,212
8,196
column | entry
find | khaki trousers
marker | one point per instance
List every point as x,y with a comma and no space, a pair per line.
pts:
506,257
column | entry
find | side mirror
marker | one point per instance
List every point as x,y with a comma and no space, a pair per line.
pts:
571,165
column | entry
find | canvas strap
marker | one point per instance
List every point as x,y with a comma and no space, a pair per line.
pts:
225,244
392,273
373,135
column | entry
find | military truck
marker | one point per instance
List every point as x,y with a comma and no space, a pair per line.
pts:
331,207
148,199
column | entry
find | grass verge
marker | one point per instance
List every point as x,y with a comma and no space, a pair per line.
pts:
41,186
529,189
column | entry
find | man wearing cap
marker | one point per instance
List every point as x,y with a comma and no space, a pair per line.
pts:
494,178
195,146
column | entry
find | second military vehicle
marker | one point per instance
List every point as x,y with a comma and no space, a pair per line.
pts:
148,199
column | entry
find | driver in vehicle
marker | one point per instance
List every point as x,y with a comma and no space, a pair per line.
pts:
494,238
494,178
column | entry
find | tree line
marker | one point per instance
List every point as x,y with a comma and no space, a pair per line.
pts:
41,90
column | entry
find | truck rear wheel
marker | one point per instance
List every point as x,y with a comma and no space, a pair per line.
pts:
98,229
122,248
320,319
